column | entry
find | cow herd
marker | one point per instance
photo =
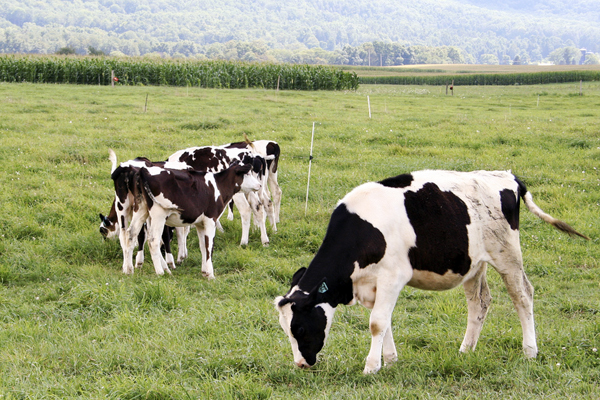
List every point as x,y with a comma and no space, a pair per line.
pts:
192,188
432,230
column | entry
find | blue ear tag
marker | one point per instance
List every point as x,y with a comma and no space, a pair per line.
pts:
323,288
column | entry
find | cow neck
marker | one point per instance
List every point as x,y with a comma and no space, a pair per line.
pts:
336,276
226,184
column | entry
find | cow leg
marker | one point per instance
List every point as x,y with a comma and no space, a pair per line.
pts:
206,236
390,355
478,302
182,252
275,193
245,213
156,226
131,233
380,322
521,294
509,263
139,258
230,211
259,216
166,239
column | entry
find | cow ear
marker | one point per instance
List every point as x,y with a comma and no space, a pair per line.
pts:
101,217
317,294
243,169
297,276
282,301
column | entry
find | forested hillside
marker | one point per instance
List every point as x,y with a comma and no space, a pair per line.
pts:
333,31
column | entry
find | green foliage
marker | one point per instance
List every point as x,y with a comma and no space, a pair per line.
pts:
207,74
532,78
72,326
308,31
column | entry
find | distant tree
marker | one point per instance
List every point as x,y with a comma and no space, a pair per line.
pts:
92,51
66,51
516,60
592,59
565,55
491,59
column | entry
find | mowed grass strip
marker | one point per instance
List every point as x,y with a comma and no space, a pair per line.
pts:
73,326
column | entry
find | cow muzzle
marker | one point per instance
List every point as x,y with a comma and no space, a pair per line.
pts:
302,364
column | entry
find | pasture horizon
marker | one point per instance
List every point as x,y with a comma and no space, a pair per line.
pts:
73,326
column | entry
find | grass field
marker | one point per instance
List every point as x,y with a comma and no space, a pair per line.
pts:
73,326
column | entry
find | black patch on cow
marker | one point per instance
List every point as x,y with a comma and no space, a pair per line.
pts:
510,207
349,239
206,159
400,181
308,328
440,221
273,150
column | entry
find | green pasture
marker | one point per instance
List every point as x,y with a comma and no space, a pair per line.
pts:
73,326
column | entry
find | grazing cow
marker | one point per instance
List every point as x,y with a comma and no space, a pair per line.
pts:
124,177
109,228
431,230
183,198
215,159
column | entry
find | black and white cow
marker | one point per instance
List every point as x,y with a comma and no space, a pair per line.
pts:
215,159
182,198
432,230
271,151
110,226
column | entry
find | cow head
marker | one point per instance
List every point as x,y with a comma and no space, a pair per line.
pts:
250,181
306,319
108,228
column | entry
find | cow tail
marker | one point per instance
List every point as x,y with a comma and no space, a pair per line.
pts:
113,159
150,199
558,224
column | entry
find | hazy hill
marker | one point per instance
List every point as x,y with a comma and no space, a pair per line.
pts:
531,28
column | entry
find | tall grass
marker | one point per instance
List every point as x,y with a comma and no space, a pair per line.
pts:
73,326
206,74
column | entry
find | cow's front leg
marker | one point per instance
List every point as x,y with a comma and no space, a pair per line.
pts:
380,322
258,211
390,355
182,234
206,237
478,302
139,258
166,240
245,214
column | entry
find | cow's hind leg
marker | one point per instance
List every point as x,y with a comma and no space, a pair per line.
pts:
155,229
510,266
521,294
478,302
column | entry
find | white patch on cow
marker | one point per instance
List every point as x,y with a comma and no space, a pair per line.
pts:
156,170
210,181
177,165
133,163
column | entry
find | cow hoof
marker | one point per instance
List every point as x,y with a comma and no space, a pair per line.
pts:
210,277
265,244
369,371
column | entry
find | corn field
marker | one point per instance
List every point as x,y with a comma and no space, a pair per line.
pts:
533,78
208,74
